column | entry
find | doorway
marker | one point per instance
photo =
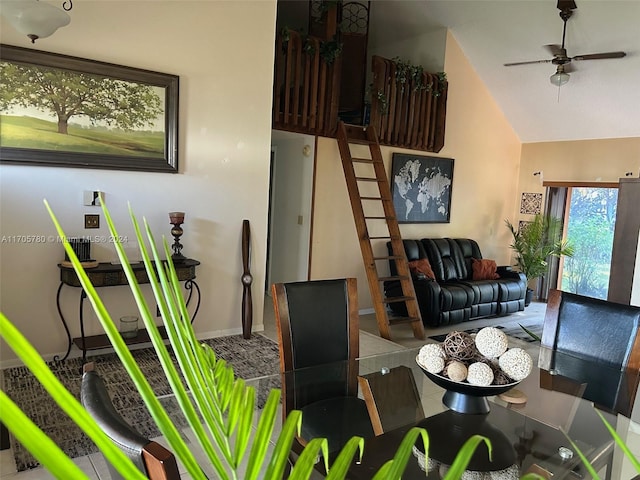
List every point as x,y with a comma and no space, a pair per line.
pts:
290,212
589,223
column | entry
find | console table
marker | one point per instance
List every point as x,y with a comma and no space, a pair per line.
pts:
110,275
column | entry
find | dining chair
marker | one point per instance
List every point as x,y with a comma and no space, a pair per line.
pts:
317,324
606,334
392,398
150,457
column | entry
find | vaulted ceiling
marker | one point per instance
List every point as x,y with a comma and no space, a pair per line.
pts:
602,97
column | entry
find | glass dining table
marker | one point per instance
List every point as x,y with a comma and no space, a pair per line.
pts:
526,437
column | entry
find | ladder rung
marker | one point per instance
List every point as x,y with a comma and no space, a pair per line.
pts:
392,257
378,218
381,238
397,299
399,320
360,141
396,277
371,198
368,179
363,160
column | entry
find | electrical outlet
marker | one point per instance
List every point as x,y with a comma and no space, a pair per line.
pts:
92,221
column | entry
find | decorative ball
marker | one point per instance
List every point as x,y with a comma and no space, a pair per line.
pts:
472,475
431,350
516,363
456,371
511,473
491,342
433,364
480,374
460,346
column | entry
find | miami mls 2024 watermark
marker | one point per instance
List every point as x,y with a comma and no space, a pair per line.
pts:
57,239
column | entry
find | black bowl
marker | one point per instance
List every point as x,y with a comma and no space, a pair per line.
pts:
463,397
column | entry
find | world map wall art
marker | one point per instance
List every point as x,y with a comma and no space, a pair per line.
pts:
421,188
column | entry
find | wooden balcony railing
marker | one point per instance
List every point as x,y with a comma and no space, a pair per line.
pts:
306,86
407,110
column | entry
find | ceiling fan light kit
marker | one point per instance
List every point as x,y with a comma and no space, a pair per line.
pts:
559,52
34,18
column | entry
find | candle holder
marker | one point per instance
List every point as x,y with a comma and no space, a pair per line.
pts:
176,219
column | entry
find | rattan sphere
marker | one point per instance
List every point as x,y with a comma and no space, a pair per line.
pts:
460,346
433,364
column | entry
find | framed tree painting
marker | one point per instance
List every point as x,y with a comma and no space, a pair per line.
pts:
421,188
64,111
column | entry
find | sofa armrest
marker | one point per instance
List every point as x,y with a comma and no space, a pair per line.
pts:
507,272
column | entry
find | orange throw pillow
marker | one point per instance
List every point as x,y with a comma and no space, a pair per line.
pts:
485,269
422,266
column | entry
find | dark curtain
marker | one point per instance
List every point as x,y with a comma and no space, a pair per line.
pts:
555,206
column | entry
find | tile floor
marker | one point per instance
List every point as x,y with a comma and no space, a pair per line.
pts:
370,343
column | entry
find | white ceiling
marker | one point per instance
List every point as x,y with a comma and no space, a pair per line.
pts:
602,98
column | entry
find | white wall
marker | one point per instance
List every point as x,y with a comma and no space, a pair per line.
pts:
223,53
291,207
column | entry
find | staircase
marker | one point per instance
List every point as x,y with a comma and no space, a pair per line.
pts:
373,211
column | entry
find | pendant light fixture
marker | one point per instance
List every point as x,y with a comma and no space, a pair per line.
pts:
35,18
560,77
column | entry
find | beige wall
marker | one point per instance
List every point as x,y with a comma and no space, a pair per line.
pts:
604,160
224,146
486,153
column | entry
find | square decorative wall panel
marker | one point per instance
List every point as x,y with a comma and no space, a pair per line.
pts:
531,203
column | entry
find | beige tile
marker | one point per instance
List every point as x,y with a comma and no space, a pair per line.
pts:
7,463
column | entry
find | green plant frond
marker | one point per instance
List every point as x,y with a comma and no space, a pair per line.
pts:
160,416
383,473
44,449
586,463
168,297
308,458
263,435
341,464
623,446
404,451
464,456
65,400
165,303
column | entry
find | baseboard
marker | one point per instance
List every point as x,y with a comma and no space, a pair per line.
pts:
75,353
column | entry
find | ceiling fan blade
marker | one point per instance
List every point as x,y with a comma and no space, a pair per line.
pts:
526,63
600,56
556,50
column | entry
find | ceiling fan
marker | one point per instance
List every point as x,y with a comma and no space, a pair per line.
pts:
559,52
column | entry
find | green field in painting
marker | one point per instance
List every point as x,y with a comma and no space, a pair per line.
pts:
29,132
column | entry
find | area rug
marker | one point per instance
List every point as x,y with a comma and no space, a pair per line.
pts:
250,359
511,330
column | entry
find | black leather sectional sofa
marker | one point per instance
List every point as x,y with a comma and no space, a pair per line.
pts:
453,296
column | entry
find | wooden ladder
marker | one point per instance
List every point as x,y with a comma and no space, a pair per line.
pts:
374,218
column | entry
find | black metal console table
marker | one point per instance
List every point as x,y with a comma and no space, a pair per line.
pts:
110,275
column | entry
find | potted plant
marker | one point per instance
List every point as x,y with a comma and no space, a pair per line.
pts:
534,242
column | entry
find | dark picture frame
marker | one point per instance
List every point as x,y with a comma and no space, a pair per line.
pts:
421,188
130,119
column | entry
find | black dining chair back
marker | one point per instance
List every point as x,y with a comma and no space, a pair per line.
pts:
604,333
151,458
392,398
317,323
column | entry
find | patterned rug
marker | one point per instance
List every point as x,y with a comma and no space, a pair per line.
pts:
514,331
252,358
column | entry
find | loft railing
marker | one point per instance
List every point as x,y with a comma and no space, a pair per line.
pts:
408,106
306,85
